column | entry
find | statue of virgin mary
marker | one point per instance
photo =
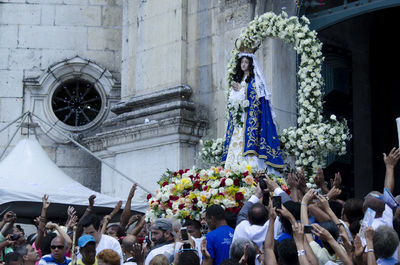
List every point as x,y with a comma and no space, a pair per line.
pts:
251,134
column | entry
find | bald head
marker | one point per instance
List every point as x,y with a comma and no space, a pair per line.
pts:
374,203
58,240
127,243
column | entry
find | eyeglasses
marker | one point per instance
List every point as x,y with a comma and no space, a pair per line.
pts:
59,247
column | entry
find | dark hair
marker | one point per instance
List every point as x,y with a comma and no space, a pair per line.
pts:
236,250
287,252
188,258
353,211
215,211
239,73
258,214
294,209
47,243
336,208
333,230
91,219
120,230
21,250
230,218
196,224
12,256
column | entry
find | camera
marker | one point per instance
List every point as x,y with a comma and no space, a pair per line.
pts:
276,202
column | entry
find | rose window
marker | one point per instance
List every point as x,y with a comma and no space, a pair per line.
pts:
76,102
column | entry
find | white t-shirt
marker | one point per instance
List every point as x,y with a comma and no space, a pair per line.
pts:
166,250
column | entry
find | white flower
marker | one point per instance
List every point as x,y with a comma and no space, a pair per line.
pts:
332,131
333,117
228,182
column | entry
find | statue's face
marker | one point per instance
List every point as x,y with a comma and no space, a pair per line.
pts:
244,64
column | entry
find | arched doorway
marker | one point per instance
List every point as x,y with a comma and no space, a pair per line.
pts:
359,52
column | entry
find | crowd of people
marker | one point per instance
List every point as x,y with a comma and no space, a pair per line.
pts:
308,227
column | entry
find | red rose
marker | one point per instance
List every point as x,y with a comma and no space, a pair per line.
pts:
194,200
239,196
205,188
221,194
180,172
149,196
194,208
175,174
236,182
186,170
222,184
165,183
181,206
196,185
170,204
245,174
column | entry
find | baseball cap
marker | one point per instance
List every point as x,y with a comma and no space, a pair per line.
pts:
163,224
83,240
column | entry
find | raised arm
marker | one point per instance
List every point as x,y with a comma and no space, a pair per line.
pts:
126,213
320,181
304,210
269,255
323,234
61,232
139,226
42,222
390,163
110,216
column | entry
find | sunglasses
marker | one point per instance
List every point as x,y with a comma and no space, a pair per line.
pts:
59,247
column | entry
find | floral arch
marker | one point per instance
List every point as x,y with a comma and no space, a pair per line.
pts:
313,137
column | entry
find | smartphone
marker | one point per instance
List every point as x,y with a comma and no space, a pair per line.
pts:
184,234
307,229
265,199
147,240
262,183
276,202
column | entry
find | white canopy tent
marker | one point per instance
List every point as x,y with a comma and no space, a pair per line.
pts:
27,173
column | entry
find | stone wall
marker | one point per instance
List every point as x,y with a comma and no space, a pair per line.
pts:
35,34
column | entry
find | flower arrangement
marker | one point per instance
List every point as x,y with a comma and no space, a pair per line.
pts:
211,151
313,137
185,194
236,108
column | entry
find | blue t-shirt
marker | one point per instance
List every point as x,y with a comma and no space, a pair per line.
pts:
219,242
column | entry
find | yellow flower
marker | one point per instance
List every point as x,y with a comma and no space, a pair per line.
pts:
203,198
179,187
186,182
248,168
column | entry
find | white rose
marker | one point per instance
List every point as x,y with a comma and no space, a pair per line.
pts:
333,117
228,182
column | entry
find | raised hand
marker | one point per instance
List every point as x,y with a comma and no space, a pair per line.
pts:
71,211
235,86
358,247
323,203
292,181
132,191
45,201
337,182
51,225
333,193
393,157
10,216
310,194
321,232
91,200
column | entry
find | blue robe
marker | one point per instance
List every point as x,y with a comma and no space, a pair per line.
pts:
260,136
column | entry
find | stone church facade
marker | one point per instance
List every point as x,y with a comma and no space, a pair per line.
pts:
150,72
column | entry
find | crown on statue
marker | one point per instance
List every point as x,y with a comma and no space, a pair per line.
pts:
239,44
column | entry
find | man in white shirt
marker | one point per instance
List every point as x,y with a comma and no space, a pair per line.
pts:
252,221
163,237
91,226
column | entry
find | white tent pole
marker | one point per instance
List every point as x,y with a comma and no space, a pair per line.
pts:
15,133
91,153
14,121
